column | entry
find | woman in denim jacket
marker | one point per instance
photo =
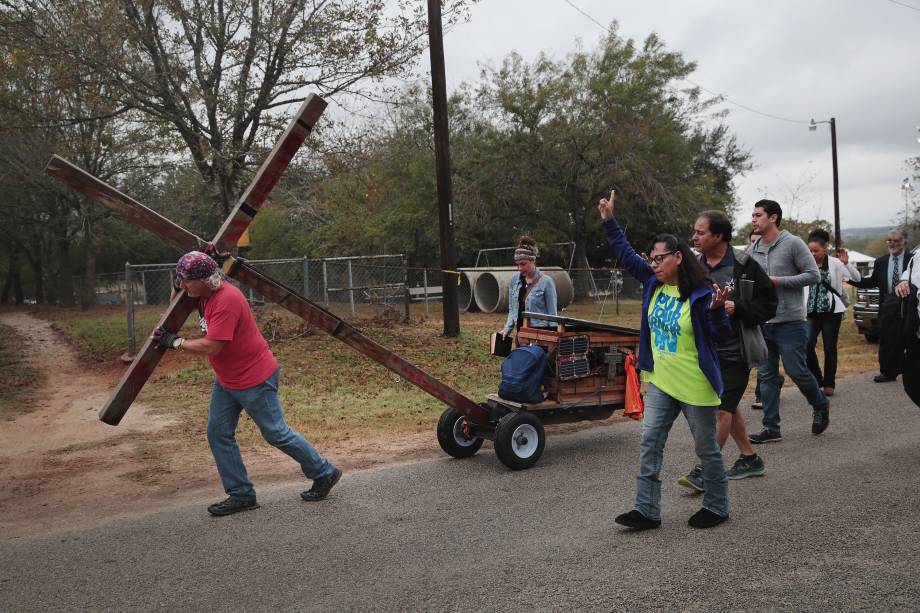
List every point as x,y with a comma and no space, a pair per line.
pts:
682,317
530,291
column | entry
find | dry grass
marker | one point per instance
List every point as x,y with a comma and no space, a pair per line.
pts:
334,394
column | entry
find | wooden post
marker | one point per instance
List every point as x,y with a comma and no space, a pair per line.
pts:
306,277
442,164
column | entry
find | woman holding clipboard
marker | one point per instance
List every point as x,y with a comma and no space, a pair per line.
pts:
530,290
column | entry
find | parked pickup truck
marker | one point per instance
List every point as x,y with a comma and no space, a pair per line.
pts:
865,309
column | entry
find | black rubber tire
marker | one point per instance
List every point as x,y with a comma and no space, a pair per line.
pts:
451,420
520,454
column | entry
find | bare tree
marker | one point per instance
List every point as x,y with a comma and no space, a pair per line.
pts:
213,70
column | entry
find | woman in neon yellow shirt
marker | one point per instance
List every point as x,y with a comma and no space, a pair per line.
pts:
681,317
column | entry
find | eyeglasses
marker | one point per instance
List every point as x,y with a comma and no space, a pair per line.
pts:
894,241
658,259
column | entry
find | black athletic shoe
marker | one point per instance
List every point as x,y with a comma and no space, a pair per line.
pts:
704,518
820,419
883,379
637,521
232,505
321,487
765,436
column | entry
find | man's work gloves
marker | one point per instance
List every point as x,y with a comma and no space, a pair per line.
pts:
166,339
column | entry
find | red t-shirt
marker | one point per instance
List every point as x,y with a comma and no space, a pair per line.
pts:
245,361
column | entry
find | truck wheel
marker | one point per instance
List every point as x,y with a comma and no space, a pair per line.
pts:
519,440
451,436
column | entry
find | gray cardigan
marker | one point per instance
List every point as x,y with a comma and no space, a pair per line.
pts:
788,259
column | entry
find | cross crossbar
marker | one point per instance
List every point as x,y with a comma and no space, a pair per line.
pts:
182,305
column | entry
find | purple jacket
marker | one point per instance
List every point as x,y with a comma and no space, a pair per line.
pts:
708,325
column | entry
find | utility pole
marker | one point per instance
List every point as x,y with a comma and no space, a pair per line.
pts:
837,242
833,123
449,274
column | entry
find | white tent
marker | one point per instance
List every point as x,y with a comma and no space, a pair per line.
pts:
856,257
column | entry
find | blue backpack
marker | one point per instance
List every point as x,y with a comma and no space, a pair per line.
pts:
522,374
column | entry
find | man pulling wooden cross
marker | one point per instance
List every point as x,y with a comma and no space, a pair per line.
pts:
232,342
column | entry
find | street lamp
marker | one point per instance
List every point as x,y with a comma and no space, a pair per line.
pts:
906,188
814,126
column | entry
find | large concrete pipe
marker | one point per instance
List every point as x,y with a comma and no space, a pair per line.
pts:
491,288
465,300
468,277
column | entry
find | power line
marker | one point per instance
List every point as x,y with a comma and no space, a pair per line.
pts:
722,97
905,5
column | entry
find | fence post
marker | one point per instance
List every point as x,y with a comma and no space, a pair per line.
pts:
325,284
406,293
129,305
425,281
351,291
306,278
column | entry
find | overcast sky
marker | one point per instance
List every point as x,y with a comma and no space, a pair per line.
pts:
855,60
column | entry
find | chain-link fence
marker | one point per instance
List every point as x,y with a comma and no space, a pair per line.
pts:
362,287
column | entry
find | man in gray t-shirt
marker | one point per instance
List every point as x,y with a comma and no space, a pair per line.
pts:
792,268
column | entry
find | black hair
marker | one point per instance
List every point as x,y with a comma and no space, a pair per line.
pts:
819,235
771,207
690,274
719,223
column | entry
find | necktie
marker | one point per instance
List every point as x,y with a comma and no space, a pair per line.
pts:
895,272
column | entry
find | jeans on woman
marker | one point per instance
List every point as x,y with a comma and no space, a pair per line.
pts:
660,412
828,326
263,406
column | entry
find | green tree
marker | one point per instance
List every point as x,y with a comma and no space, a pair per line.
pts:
561,134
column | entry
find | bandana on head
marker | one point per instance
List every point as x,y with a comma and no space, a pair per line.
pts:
523,253
196,265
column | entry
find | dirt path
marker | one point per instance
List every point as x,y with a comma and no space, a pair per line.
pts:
61,468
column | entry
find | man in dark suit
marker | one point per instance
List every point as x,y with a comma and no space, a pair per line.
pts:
885,276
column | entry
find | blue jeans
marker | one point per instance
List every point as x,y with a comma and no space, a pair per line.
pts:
263,406
787,340
660,412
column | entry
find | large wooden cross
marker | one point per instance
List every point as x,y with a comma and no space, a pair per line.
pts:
233,227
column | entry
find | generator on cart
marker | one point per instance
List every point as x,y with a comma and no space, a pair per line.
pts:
586,380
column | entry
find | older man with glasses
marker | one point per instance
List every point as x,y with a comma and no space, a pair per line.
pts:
886,273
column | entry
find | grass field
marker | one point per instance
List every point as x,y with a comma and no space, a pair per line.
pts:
18,380
333,393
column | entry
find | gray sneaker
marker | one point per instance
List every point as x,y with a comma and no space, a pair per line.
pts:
746,467
694,480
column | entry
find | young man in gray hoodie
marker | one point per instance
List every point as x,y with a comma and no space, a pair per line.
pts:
792,268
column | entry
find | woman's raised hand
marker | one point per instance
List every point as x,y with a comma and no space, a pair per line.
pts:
606,207
719,296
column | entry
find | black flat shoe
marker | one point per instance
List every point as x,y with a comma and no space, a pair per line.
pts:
232,505
321,487
704,518
637,521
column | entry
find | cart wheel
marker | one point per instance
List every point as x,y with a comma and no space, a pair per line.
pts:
452,438
519,440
